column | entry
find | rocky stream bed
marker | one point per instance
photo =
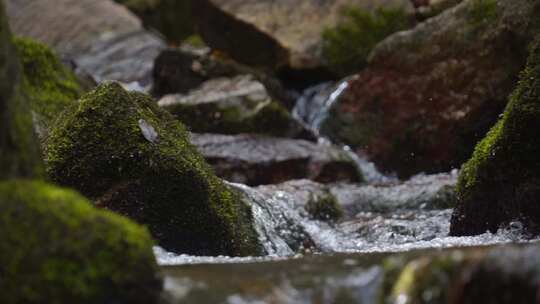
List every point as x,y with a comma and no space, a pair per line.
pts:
272,151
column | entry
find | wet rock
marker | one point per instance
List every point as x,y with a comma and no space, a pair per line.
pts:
49,87
232,106
100,37
428,192
430,93
148,171
424,192
502,274
256,160
19,149
501,182
56,248
309,197
282,231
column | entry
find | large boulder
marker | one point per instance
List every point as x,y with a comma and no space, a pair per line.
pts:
19,150
232,106
49,87
56,248
430,93
298,25
101,37
178,19
259,160
501,182
134,158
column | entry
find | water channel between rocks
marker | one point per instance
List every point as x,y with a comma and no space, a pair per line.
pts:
382,216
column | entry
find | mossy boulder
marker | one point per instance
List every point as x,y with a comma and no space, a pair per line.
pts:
501,182
56,248
498,274
19,150
232,106
49,87
429,94
122,149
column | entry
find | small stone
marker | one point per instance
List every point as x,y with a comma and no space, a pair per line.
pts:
148,131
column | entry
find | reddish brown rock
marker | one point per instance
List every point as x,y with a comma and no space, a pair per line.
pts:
430,93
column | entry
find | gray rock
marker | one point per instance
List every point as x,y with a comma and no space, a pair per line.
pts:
257,160
101,37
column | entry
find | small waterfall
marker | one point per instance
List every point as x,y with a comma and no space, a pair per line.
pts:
312,107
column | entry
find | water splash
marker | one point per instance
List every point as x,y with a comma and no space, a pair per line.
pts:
392,224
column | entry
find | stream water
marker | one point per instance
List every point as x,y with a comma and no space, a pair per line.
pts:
341,263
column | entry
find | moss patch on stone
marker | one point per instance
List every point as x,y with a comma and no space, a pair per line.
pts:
48,85
19,150
56,248
324,208
266,117
121,148
482,11
501,182
346,47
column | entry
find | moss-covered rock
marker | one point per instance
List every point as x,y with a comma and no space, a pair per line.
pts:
324,208
48,85
429,94
56,248
122,148
232,106
19,150
499,274
501,182
101,38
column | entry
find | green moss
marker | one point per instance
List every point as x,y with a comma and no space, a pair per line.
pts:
19,150
56,248
49,87
261,117
347,46
427,279
195,41
482,11
501,180
324,208
101,149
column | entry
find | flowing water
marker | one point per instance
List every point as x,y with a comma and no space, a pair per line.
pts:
311,261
